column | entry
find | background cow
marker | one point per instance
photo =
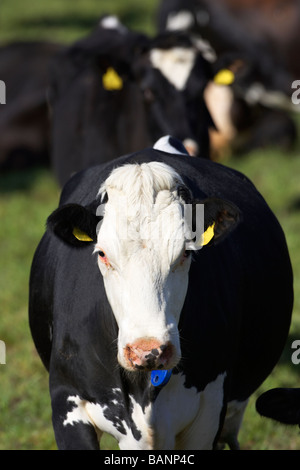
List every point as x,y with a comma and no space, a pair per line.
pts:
24,119
248,113
258,40
217,317
108,94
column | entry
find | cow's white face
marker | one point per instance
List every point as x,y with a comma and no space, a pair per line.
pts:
142,257
143,245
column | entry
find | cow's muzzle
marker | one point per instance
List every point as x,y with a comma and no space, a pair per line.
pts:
149,354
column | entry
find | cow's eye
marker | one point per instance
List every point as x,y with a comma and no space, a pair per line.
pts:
102,257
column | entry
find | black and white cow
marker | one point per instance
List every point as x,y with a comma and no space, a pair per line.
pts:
122,299
280,404
109,91
252,107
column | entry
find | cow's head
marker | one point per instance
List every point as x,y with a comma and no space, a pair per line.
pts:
144,251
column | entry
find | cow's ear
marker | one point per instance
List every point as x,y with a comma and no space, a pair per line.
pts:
74,224
220,218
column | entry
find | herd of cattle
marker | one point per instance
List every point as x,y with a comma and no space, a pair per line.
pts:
148,333
217,73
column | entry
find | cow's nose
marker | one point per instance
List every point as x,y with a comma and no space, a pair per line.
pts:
148,354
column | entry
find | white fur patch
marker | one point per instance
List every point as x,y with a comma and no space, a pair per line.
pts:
112,22
233,420
180,418
78,413
178,21
219,99
175,64
165,145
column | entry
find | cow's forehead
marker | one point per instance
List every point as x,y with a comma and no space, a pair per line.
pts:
143,211
134,178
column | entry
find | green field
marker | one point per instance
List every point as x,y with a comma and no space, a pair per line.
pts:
27,198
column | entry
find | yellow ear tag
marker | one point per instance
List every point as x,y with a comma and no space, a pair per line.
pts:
81,236
224,77
111,80
208,235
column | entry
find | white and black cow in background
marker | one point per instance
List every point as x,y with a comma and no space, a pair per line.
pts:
280,404
116,312
114,91
253,45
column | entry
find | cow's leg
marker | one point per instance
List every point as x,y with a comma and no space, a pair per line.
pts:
72,426
203,430
232,424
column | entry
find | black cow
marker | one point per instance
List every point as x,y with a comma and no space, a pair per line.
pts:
107,94
163,347
280,404
24,118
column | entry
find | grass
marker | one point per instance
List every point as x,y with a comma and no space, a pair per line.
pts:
27,198
65,21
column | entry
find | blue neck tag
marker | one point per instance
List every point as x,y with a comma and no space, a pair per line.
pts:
160,377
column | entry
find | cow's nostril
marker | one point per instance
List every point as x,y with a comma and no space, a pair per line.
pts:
155,352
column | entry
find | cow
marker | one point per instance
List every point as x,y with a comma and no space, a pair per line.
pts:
156,324
254,112
246,115
24,118
280,404
176,56
267,31
109,92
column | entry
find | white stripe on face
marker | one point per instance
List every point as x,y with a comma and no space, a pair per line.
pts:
145,277
175,64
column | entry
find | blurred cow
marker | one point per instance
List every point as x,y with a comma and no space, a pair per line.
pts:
24,118
184,66
110,96
247,115
256,34
266,31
